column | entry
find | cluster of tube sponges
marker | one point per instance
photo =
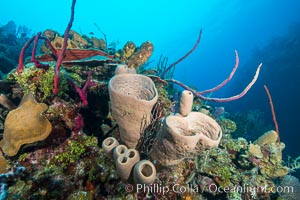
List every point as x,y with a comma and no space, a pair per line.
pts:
128,163
132,98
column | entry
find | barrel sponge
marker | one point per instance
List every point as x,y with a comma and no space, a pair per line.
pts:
182,135
210,133
123,69
132,97
25,125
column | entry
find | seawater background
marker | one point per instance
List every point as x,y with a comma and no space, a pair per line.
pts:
251,27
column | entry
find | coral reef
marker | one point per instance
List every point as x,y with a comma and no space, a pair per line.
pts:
227,125
89,126
75,41
279,55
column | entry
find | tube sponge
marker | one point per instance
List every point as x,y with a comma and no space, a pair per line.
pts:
109,144
125,163
132,97
144,172
186,102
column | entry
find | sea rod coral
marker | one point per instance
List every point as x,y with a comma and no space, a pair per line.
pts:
59,57
200,94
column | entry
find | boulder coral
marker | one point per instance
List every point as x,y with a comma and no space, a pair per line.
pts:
268,137
25,125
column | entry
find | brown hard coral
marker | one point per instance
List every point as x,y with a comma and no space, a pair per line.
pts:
3,164
50,34
141,56
78,39
128,50
25,125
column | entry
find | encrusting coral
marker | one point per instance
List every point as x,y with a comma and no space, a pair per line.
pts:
3,164
254,150
38,81
25,125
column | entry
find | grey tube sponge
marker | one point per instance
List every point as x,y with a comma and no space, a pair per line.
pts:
132,97
125,163
144,172
109,144
120,150
186,102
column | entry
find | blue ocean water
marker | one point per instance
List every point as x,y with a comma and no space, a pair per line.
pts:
251,27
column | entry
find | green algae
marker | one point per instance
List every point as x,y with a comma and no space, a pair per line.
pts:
38,81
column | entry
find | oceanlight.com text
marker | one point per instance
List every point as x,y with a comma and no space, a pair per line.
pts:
177,188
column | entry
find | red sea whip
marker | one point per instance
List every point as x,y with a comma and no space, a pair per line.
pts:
63,50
